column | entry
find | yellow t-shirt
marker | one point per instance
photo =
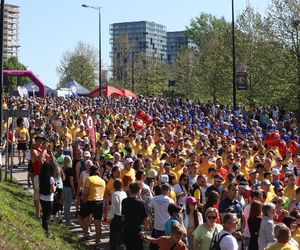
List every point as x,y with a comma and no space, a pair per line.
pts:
290,192
203,168
110,186
96,187
281,246
270,196
178,171
130,172
22,134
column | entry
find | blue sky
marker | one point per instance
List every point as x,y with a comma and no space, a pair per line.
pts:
50,27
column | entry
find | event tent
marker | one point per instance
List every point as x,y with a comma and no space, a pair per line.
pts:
82,91
128,93
107,91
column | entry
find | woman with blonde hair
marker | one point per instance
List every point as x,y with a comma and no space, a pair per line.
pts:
69,188
204,234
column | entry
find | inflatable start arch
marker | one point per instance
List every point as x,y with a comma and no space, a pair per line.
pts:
33,77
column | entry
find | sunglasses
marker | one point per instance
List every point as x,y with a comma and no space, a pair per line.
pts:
279,190
211,217
185,179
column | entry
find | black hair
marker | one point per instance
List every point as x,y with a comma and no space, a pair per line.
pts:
44,178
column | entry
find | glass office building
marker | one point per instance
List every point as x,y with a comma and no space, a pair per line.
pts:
175,41
144,36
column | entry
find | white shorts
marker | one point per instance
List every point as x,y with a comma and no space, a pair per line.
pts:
36,187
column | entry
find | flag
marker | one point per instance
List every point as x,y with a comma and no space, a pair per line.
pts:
20,92
74,90
25,92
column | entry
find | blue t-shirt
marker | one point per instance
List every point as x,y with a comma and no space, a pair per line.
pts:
169,225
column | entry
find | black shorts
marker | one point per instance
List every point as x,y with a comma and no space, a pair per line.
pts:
92,207
22,146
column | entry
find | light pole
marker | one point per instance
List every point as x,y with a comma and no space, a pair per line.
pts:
233,58
295,24
100,66
1,65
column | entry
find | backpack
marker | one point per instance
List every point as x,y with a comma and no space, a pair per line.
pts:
215,242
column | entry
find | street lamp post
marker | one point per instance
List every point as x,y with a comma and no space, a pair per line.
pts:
233,59
1,65
100,63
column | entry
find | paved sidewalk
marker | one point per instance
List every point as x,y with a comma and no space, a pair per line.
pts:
20,176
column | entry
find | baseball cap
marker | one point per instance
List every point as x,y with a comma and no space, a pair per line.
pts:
191,200
152,173
252,171
244,185
87,154
164,178
128,160
275,172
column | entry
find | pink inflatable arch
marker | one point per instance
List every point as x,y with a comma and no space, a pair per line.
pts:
33,77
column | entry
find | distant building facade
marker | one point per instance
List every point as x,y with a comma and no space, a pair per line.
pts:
147,37
175,41
11,31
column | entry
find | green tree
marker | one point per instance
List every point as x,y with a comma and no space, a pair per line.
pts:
151,75
212,36
11,82
185,68
82,64
266,61
285,20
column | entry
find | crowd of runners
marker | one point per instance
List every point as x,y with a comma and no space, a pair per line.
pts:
195,175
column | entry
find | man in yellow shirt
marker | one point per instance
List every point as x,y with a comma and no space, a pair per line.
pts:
93,194
283,240
22,136
205,164
178,170
128,170
290,189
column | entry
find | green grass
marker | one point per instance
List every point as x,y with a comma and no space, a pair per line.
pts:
20,230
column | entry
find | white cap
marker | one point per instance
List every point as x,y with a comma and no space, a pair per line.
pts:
152,173
128,160
275,172
87,154
164,178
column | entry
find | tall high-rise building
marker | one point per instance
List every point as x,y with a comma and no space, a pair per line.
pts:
144,36
175,41
11,31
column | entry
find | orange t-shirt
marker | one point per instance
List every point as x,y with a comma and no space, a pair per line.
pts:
166,242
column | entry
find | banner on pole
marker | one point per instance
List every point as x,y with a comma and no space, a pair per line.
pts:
91,127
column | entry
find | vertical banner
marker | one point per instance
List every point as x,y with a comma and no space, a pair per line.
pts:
20,92
25,92
241,77
91,127
74,90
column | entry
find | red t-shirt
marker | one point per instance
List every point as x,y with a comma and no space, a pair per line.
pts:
37,165
165,243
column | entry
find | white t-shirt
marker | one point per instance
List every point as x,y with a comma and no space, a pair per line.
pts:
49,197
246,215
116,203
160,205
228,242
179,189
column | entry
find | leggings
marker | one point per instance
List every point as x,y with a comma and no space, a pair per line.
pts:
46,210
